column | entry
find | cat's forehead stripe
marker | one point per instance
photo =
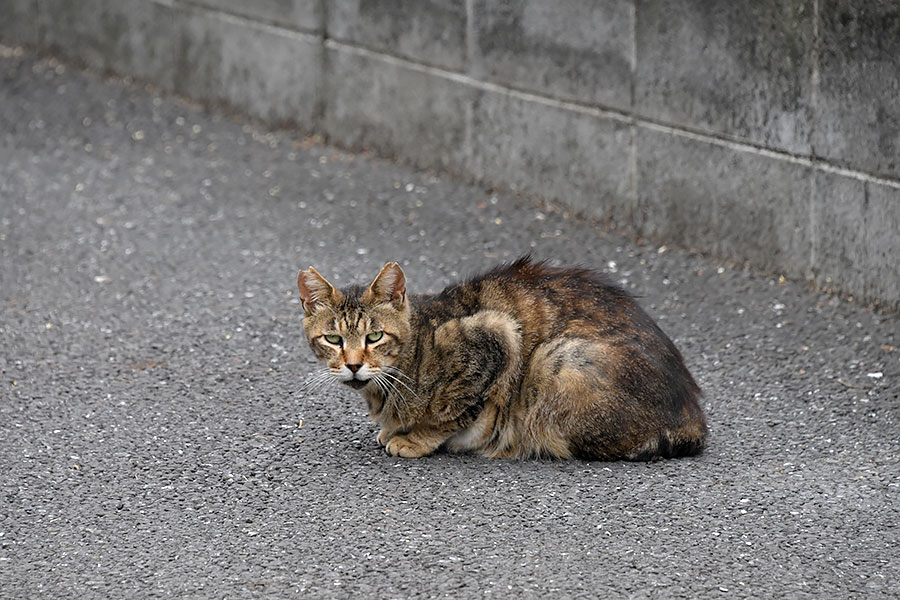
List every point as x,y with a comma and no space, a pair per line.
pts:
356,320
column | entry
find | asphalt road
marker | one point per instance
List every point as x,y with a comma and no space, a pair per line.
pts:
156,439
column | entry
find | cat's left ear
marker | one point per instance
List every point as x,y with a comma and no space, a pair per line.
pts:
389,286
315,290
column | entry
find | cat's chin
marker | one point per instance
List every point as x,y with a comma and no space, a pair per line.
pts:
356,384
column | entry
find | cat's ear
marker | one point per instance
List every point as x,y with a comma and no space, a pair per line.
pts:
389,286
315,290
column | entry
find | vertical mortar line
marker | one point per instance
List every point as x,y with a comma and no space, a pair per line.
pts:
814,79
323,20
36,14
469,118
38,23
865,247
180,75
811,270
321,95
471,50
633,199
44,23
174,48
812,115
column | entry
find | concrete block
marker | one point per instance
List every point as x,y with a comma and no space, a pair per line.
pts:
272,74
19,22
131,37
738,205
858,107
427,31
741,69
857,243
394,110
303,15
578,159
577,50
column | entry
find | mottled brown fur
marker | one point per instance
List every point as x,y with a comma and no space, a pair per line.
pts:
523,361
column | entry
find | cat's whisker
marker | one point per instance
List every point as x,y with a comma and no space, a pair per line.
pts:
314,381
383,386
320,374
315,388
400,381
321,383
319,379
401,403
396,371
396,374
379,381
392,380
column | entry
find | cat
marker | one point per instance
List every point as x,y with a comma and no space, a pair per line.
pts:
524,361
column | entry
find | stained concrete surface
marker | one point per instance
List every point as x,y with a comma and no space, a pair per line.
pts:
158,439
431,31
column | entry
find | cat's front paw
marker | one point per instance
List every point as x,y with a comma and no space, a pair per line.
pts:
384,437
400,445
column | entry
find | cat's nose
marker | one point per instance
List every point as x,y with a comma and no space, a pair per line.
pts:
353,368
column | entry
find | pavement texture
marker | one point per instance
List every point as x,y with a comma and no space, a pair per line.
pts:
157,438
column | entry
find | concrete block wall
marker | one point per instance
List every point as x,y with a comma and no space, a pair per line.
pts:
766,131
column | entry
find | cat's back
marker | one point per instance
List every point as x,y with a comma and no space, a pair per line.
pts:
543,300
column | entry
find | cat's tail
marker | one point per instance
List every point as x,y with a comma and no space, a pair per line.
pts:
672,445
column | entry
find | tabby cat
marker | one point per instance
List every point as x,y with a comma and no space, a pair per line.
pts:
523,361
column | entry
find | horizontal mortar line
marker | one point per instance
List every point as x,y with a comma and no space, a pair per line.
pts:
334,42
243,20
797,159
615,115
487,86
859,175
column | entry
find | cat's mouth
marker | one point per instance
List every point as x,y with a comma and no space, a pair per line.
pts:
356,384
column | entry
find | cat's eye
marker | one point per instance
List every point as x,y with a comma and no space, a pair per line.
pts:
333,339
374,336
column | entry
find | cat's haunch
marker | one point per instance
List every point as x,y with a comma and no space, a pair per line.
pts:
523,361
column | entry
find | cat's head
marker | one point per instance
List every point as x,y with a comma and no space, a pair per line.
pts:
358,332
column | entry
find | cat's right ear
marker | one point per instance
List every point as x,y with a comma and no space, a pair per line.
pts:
315,290
389,286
